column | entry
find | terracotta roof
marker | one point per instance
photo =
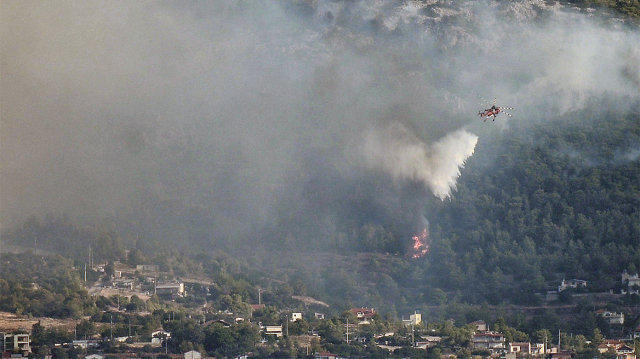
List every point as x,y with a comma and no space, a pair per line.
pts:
365,312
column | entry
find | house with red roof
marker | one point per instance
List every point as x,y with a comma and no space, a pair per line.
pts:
363,315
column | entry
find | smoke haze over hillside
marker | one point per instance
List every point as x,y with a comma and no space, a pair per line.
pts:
236,116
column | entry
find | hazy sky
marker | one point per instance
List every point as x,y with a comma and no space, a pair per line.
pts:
241,113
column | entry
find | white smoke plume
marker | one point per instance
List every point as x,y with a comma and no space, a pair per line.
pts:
398,151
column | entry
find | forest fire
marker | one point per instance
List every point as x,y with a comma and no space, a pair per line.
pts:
420,246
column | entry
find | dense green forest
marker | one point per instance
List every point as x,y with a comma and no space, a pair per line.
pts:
557,199
41,286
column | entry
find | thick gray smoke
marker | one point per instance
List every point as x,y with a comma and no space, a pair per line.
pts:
202,120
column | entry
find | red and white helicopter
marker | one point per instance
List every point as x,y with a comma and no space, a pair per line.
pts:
493,111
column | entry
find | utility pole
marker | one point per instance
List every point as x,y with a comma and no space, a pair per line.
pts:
545,342
347,330
559,340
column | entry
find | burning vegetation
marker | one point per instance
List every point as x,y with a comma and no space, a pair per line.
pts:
419,247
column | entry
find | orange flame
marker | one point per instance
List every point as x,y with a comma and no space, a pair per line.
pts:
420,246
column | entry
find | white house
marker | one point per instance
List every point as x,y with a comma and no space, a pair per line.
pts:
538,349
192,354
158,336
296,316
630,280
170,289
272,330
520,348
571,283
489,340
611,317
147,267
363,315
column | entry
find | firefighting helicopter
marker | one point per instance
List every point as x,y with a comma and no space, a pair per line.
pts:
493,111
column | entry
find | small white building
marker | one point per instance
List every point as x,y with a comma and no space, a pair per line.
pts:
272,330
147,267
170,289
571,284
120,339
84,344
520,348
538,349
630,279
631,283
159,336
296,316
427,341
611,317
192,354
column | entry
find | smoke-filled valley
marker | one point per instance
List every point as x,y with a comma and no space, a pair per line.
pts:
313,139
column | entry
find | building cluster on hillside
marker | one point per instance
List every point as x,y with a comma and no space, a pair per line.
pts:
630,284
621,349
482,338
143,279
494,343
